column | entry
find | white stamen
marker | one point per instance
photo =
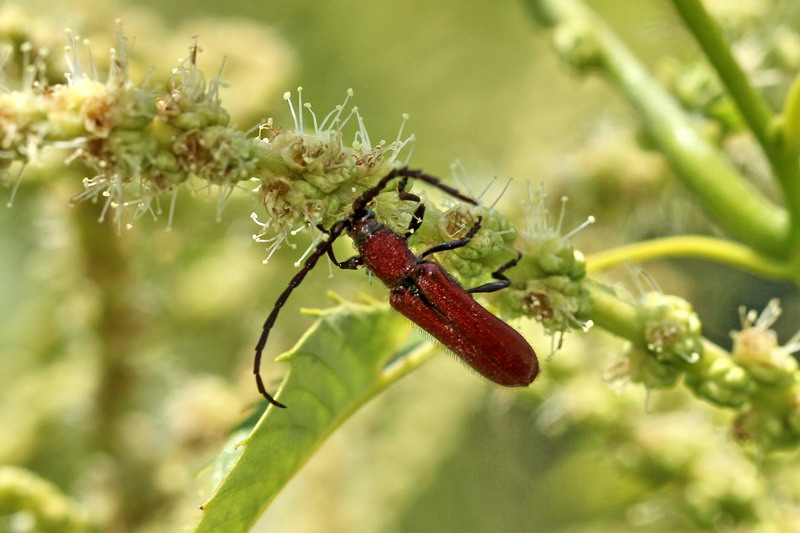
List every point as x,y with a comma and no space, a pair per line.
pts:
330,268
769,315
102,216
342,124
362,129
88,46
16,186
300,107
314,117
793,344
172,203
589,221
505,188
216,82
410,140
564,200
402,126
317,238
485,189
288,97
337,112
74,62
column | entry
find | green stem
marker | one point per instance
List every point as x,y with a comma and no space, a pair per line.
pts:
712,352
614,315
790,118
709,35
783,158
789,162
118,326
787,170
722,251
735,204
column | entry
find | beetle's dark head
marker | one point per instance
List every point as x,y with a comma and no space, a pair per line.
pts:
362,225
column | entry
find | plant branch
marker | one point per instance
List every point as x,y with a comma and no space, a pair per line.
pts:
733,202
722,251
709,35
614,315
783,157
710,372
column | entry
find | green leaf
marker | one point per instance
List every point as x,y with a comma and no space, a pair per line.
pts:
349,355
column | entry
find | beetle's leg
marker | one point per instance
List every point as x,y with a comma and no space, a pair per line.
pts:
419,213
502,282
416,221
458,243
348,264
405,195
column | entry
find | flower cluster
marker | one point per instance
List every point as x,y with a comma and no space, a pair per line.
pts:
311,178
772,418
143,144
23,113
756,349
671,329
672,348
554,272
670,342
139,142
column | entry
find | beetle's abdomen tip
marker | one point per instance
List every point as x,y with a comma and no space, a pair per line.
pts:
523,375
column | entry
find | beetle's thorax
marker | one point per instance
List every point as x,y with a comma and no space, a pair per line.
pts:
384,252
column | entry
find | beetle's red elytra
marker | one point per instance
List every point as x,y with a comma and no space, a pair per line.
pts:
422,290
439,305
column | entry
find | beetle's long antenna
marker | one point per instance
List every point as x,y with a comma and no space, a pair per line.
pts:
370,194
321,249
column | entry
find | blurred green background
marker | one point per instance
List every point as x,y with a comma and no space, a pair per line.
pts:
124,360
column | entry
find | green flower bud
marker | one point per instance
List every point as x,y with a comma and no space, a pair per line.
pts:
166,161
767,429
671,329
138,109
643,368
554,254
577,44
557,302
190,121
723,383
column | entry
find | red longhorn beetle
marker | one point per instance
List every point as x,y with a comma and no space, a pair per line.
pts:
421,290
